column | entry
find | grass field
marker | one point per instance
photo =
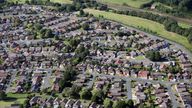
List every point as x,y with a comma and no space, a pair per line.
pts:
183,25
132,3
62,1
56,1
13,98
144,23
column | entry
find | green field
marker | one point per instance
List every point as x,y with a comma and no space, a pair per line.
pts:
62,1
56,1
183,25
13,98
144,23
132,3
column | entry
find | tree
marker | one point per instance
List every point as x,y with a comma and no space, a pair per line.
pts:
62,84
130,103
107,103
153,55
17,22
2,95
85,93
38,27
119,104
190,38
26,103
74,92
1,61
85,26
48,34
157,56
81,13
27,2
97,96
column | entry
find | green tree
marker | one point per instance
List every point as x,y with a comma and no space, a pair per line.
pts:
153,55
62,84
26,103
85,26
81,13
49,34
3,95
97,96
130,103
157,56
74,92
190,38
1,61
107,103
85,93
119,104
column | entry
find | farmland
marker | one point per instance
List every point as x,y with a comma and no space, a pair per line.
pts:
143,23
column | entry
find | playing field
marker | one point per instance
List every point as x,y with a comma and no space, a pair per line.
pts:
133,3
144,23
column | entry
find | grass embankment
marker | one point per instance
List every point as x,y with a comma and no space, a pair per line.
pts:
132,3
143,23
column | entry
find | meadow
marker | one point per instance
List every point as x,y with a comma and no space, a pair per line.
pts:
143,23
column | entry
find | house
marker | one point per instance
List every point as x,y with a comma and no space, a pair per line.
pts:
63,102
143,74
69,103
93,105
77,104
49,102
34,100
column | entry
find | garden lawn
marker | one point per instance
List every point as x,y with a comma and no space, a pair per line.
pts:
132,3
13,98
139,58
142,23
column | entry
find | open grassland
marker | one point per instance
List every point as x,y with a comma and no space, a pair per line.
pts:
55,1
144,23
132,3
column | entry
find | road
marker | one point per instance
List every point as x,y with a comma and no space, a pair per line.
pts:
129,92
175,45
8,87
128,80
173,97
